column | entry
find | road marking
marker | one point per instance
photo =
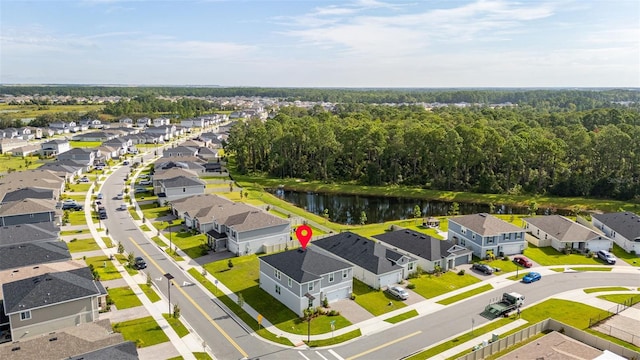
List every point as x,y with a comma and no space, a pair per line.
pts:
321,356
244,353
301,354
383,345
335,354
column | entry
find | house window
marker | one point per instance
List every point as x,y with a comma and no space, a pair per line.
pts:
473,236
25,315
410,267
184,189
277,289
277,274
345,273
518,236
310,286
331,277
463,230
462,242
490,240
289,282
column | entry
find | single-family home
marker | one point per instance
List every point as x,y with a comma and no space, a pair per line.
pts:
27,193
55,147
28,211
13,257
188,208
43,303
94,136
36,131
121,144
161,122
431,253
10,144
85,156
621,227
67,169
373,264
208,154
180,151
179,187
562,233
11,133
26,150
166,131
126,121
193,123
302,279
25,133
13,235
194,164
253,232
48,132
485,234
143,122
59,127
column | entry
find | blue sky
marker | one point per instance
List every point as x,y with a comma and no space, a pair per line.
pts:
304,43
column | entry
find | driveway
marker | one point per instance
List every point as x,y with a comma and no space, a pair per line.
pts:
351,310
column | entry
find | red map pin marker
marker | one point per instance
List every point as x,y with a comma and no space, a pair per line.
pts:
303,233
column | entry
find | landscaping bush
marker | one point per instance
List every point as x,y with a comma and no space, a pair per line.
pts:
412,286
461,272
505,258
353,296
333,313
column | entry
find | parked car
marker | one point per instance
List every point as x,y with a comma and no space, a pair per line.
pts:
522,261
606,257
531,277
83,179
76,207
126,162
99,197
102,216
398,292
120,196
145,182
122,207
139,263
139,190
69,201
143,176
484,268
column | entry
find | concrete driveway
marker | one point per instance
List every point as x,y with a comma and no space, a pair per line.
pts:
351,310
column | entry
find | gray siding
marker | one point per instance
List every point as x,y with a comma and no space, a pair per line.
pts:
27,219
47,319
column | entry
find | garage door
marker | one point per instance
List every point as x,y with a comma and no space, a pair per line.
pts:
511,249
338,294
461,260
390,279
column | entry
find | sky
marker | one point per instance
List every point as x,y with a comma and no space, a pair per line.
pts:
305,43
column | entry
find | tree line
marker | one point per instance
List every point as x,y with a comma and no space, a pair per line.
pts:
480,149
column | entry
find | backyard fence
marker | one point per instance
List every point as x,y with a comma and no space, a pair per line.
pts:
614,310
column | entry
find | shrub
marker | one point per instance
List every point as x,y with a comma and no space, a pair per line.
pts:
506,258
461,272
325,302
353,296
411,286
333,313
230,264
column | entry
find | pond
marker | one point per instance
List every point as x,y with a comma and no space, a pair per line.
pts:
346,209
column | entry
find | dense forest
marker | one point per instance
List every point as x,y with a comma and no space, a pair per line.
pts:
579,99
481,149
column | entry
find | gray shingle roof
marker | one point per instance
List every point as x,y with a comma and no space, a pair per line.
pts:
27,206
23,233
626,224
33,253
49,289
28,192
485,224
418,244
173,172
196,203
362,252
182,181
305,265
562,228
253,220
123,351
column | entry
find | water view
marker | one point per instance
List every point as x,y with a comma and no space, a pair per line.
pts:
346,209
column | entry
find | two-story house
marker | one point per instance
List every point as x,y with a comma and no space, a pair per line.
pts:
180,151
84,156
179,187
55,147
28,211
161,122
252,232
561,233
621,227
167,132
431,253
484,234
26,193
302,279
10,144
143,122
373,264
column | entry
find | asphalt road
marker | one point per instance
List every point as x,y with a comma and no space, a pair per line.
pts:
228,340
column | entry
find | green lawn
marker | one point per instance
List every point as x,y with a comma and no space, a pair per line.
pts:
74,232
18,163
630,259
548,256
374,301
124,298
85,144
621,298
152,212
157,240
134,214
429,286
404,316
192,245
79,198
106,273
82,245
77,218
466,294
144,227
81,187
151,294
505,266
243,278
177,325
124,261
592,268
334,340
144,331
107,241
202,356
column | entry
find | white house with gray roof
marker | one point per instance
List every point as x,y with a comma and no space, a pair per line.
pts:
251,232
300,279
621,227
484,233
28,211
374,264
55,147
179,187
44,303
561,233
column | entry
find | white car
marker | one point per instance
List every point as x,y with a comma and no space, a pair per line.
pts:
122,207
145,182
398,292
120,196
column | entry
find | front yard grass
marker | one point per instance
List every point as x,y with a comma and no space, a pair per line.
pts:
82,245
630,259
466,294
429,286
624,299
404,316
106,273
151,294
157,240
150,211
177,325
74,232
193,245
124,261
591,268
334,340
77,218
243,277
124,297
144,227
134,214
374,301
81,187
144,331
107,241
548,256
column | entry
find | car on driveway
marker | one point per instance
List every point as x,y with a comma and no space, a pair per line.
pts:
140,190
483,268
606,257
531,277
139,263
145,182
71,206
522,261
398,292
84,179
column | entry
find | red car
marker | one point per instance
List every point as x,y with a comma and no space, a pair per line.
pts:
522,261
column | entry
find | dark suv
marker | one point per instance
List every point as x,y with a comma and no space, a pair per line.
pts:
71,206
484,268
139,263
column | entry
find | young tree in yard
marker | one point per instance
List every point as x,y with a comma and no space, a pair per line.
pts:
148,279
120,248
131,258
454,209
230,186
325,215
417,211
363,218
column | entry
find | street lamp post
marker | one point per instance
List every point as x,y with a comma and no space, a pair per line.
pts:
311,298
169,277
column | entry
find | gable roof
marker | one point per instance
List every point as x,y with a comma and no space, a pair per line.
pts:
305,265
221,212
49,289
196,203
562,228
179,181
626,224
172,173
364,253
485,224
253,220
33,253
23,233
27,193
27,206
420,245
